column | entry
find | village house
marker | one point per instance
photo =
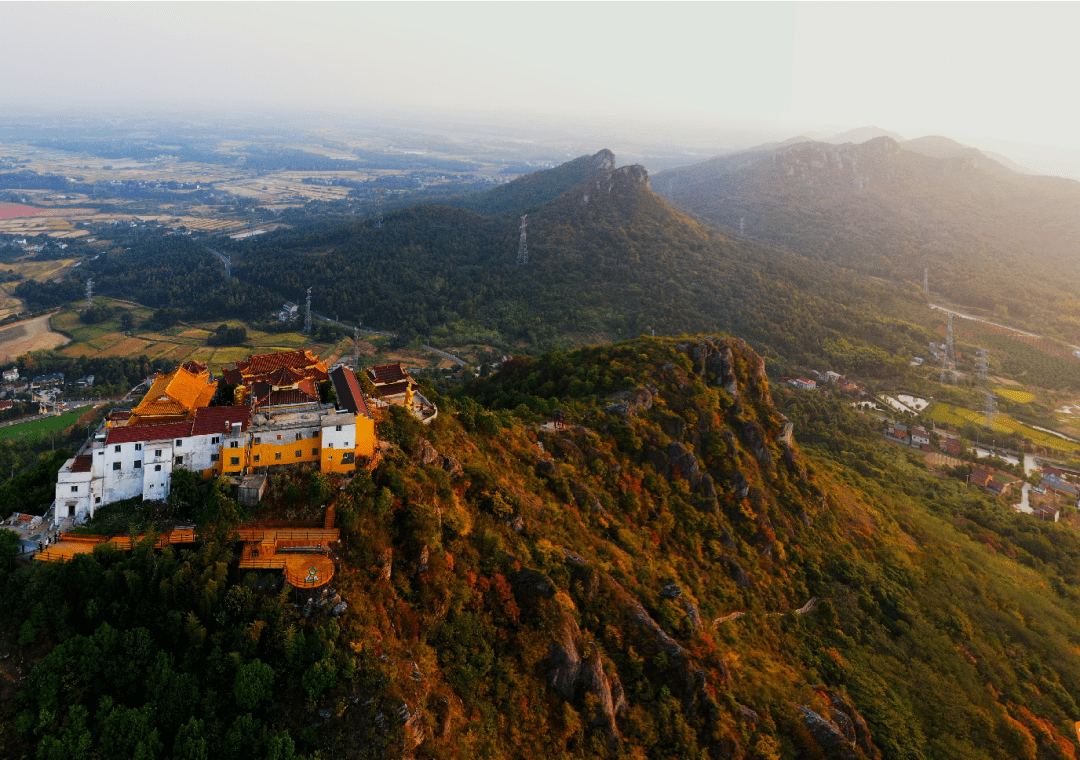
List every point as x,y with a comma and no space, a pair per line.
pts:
804,383
987,480
11,375
919,437
950,445
276,419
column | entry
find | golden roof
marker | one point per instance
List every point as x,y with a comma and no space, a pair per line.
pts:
177,394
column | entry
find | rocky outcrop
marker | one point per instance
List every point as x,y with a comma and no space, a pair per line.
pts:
594,680
828,736
683,464
630,403
425,454
753,436
452,466
848,720
564,657
619,182
737,573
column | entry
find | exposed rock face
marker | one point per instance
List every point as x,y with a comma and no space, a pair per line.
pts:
844,712
422,562
414,725
671,591
617,182
683,464
828,736
754,437
594,681
425,454
629,403
564,657
692,615
452,466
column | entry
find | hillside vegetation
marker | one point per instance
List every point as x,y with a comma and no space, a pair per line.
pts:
682,571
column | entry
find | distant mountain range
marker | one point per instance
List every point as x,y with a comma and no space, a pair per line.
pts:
992,237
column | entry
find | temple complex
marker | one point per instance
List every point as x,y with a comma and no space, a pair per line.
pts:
277,419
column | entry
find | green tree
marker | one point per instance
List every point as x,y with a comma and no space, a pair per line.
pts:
190,741
253,684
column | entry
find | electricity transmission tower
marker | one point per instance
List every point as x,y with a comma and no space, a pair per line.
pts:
523,249
991,409
356,348
948,359
307,316
90,294
926,281
378,208
982,363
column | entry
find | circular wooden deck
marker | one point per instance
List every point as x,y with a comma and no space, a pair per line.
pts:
308,570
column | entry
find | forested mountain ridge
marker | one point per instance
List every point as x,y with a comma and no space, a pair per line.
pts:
608,259
992,238
681,571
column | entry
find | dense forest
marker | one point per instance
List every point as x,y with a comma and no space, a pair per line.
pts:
695,565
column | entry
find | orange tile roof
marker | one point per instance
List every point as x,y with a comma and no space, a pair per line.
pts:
176,394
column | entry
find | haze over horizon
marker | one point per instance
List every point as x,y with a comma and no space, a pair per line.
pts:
729,74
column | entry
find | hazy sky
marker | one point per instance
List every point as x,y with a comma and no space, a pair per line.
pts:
993,70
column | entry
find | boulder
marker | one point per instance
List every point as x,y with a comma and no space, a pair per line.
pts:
452,466
827,736
425,454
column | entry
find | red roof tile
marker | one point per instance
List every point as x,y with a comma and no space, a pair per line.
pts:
130,433
387,373
194,367
348,391
233,376
82,463
260,364
393,389
219,419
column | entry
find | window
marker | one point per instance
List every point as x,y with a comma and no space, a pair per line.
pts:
257,457
298,452
299,436
314,433
138,447
330,445
101,453
234,461
157,452
179,460
74,489
213,457
279,437
116,447
234,444
337,428
97,499
138,464
346,445
157,468
258,439
277,455
314,452
179,442
216,439
116,465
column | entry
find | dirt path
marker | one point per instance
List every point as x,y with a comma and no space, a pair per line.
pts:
32,335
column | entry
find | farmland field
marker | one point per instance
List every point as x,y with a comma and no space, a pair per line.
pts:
1013,394
32,335
12,210
958,416
36,429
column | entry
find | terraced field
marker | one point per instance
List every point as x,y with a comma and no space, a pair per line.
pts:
1014,394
